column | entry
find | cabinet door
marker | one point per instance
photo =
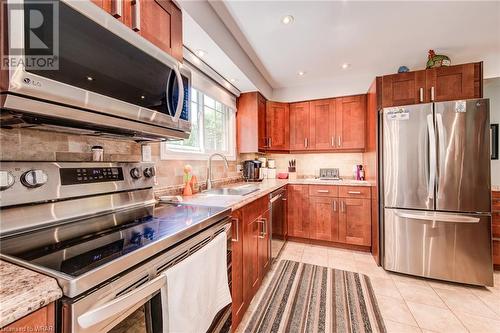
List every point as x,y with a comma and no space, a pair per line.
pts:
119,9
324,218
350,122
160,22
453,82
355,221
251,281
322,124
42,320
238,304
261,123
278,126
264,250
298,211
404,89
299,126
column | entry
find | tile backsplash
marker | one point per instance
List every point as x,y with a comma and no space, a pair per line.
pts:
310,163
37,145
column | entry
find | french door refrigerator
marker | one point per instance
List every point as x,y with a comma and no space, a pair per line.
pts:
437,191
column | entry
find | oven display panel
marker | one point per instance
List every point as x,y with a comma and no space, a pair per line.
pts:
73,176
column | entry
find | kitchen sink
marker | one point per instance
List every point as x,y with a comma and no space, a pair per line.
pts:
240,190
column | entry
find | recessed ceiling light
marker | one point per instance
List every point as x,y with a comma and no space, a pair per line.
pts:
287,19
90,78
200,53
301,73
233,80
346,66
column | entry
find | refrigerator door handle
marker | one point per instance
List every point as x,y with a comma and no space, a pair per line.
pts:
436,217
441,140
432,155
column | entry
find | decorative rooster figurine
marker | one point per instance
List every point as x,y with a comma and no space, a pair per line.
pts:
437,60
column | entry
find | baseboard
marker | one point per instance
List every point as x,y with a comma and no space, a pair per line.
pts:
330,244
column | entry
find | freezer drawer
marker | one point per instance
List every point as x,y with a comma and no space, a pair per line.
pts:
444,246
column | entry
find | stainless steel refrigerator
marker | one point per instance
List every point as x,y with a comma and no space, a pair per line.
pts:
437,191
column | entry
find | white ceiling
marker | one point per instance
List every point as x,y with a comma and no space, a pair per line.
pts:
194,37
374,37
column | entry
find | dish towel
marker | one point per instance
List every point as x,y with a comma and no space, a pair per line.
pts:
197,289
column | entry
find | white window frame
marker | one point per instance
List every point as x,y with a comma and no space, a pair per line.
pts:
170,151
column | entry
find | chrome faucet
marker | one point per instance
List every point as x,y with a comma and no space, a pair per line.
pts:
209,176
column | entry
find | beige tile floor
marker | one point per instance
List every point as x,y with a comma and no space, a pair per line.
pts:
407,304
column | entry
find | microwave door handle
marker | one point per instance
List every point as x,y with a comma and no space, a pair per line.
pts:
122,303
180,101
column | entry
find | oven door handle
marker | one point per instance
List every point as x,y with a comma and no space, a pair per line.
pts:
122,303
180,101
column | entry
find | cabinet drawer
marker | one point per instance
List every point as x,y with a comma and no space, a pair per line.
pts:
256,208
355,192
323,191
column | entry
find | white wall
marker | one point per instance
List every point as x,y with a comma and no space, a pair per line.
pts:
492,91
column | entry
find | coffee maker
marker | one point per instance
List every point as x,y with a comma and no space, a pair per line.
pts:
251,171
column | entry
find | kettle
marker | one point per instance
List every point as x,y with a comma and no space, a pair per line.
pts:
251,171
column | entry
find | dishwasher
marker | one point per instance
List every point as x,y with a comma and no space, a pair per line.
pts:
279,228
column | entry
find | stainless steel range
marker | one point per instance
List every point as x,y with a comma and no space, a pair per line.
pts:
97,229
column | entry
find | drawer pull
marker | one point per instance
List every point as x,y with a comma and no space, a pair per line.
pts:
354,192
335,205
117,8
236,221
136,15
323,191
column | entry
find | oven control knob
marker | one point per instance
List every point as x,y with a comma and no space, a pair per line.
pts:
149,172
6,180
34,178
135,173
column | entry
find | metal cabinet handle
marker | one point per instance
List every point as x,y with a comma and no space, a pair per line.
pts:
432,93
270,142
340,141
333,141
136,15
122,303
264,227
334,205
354,192
421,91
306,142
342,206
236,221
117,8
323,191
284,199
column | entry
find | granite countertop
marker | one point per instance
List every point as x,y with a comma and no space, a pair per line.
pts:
23,291
495,188
265,187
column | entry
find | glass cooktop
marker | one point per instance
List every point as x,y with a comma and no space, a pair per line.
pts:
79,247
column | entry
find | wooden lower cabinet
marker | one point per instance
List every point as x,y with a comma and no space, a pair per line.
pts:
324,218
42,320
250,254
298,211
495,227
355,221
338,214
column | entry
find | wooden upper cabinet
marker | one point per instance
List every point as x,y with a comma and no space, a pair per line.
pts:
159,21
445,83
404,89
299,126
251,123
263,140
455,82
324,218
298,211
355,221
322,124
278,126
350,122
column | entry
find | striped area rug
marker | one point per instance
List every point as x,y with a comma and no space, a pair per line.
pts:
308,298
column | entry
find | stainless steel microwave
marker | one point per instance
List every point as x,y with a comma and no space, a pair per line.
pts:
107,79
